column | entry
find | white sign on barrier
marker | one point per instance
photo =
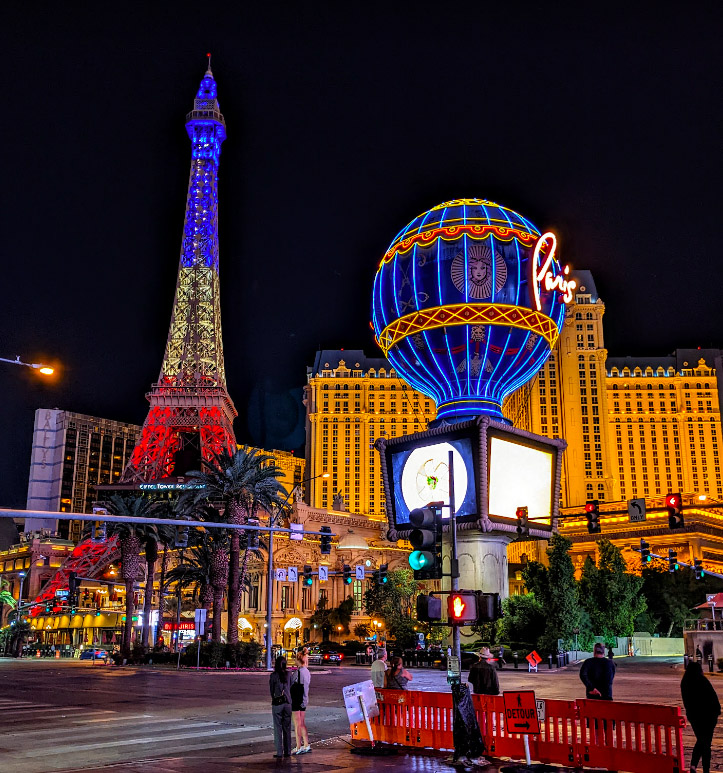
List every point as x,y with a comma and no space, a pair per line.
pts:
352,694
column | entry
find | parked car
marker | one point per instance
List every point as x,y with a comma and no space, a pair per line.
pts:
93,654
324,654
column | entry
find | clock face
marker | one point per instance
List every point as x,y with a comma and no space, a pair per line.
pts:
425,476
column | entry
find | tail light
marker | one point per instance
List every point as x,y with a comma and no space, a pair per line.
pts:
341,657
326,657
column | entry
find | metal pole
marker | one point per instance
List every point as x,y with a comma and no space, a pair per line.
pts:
178,618
454,566
269,581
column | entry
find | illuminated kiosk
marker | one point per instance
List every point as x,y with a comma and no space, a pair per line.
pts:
468,303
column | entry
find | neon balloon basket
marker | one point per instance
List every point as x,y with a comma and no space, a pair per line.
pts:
468,303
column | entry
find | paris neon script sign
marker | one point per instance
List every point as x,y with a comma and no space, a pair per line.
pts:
544,277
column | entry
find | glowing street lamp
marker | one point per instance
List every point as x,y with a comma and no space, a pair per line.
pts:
46,370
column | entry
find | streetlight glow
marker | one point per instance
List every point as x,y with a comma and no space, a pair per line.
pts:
46,370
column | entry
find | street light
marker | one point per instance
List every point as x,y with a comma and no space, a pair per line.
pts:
46,370
273,519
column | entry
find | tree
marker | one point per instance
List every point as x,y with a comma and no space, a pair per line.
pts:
396,598
361,631
329,619
245,482
130,536
153,536
556,589
523,620
612,596
671,596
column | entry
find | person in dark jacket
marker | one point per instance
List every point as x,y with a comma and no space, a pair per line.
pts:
483,676
703,709
280,688
597,674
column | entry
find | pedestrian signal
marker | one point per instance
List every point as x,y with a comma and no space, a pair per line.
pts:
426,539
592,513
429,608
523,525
462,608
674,505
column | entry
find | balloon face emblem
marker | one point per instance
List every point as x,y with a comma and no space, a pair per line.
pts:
468,302
473,270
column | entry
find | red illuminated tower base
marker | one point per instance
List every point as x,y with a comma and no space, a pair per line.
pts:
191,414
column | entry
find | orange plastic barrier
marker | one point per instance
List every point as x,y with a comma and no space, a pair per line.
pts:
636,737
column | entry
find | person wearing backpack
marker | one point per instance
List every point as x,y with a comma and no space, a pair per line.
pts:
281,707
299,702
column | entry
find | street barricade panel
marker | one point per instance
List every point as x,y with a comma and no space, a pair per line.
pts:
640,737
636,737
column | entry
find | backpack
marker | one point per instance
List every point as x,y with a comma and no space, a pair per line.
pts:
278,699
297,690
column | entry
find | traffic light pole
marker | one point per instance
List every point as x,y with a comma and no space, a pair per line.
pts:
454,564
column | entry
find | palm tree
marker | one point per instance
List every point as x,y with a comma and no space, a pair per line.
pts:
130,536
206,564
244,483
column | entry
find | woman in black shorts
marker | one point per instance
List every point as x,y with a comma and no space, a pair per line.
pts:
299,701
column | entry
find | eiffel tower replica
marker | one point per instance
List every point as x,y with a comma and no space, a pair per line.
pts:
191,414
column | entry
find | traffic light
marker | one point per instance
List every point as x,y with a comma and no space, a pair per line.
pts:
307,578
674,505
47,607
346,571
429,608
523,525
325,542
426,539
383,579
462,608
97,611
73,585
592,513
672,561
645,552
698,569
253,536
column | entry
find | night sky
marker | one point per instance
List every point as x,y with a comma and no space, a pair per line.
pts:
344,121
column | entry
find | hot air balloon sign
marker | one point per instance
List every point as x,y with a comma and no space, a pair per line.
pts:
468,303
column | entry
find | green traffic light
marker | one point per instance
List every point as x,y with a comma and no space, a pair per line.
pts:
420,559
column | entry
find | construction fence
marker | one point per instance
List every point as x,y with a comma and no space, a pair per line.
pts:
635,737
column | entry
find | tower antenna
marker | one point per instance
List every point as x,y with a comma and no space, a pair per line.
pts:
209,64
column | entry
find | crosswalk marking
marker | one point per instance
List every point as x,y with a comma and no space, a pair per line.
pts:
137,741
121,729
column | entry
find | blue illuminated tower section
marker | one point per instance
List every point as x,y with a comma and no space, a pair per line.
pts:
191,413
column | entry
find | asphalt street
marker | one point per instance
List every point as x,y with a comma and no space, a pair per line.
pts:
71,715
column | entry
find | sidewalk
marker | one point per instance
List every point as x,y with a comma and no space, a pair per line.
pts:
331,756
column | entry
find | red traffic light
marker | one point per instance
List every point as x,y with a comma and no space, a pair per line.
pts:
673,501
590,507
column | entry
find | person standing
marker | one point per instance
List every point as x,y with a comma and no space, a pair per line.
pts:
397,676
483,676
299,701
703,709
379,669
281,707
597,674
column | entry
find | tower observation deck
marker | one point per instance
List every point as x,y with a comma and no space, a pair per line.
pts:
191,414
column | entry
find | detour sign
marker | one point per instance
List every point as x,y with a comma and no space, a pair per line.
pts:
521,712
